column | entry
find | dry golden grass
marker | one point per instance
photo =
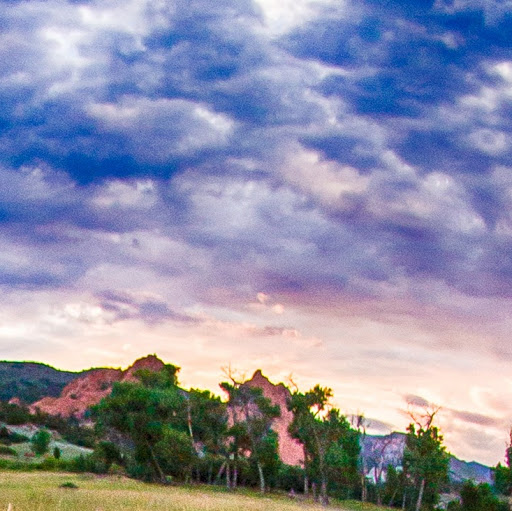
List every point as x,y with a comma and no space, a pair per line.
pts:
42,492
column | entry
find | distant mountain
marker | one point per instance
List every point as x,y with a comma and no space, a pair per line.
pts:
380,451
31,381
462,470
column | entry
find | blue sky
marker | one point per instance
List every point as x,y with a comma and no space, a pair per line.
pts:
314,187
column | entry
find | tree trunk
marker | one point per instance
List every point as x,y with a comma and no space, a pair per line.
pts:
228,476
324,499
306,485
403,500
262,477
420,495
210,473
392,499
363,488
220,472
156,465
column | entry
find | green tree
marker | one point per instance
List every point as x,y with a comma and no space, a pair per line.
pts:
480,498
40,442
56,453
503,473
175,453
425,462
144,411
331,446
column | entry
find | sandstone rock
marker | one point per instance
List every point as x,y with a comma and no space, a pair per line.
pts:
290,450
88,390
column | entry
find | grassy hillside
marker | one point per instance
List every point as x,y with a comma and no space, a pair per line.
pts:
31,381
42,491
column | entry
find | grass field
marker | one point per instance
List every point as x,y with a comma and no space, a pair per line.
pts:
42,492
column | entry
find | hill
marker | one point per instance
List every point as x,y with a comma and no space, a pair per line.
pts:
90,388
31,381
381,451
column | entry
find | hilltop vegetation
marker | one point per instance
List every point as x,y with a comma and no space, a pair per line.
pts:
31,381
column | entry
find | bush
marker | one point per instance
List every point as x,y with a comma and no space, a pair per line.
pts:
41,442
69,484
480,498
7,451
11,437
290,478
116,470
56,453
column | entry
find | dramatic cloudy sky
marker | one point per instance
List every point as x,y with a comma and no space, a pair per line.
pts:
316,187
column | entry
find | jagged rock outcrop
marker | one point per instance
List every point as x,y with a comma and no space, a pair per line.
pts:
88,390
290,450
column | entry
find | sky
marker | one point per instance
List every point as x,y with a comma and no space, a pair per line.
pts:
318,188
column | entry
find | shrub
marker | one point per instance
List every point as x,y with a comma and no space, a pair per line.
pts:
40,442
69,485
56,453
7,451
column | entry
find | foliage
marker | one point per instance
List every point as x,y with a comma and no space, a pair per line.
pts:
14,415
503,474
11,437
7,451
40,442
56,453
425,464
69,484
29,381
477,498
144,412
175,453
331,445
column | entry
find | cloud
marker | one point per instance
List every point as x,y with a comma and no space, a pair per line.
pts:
151,310
414,400
329,175
475,418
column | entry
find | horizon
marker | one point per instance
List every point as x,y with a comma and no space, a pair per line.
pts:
375,429
316,187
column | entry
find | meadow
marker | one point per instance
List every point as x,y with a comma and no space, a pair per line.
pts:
42,491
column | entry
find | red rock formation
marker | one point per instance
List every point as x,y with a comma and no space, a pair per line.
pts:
151,362
290,450
88,390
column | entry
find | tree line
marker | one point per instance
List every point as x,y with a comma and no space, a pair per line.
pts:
154,430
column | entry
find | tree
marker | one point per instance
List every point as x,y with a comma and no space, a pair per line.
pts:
503,474
480,498
56,453
251,416
331,446
144,411
40,442
425,460
207,424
